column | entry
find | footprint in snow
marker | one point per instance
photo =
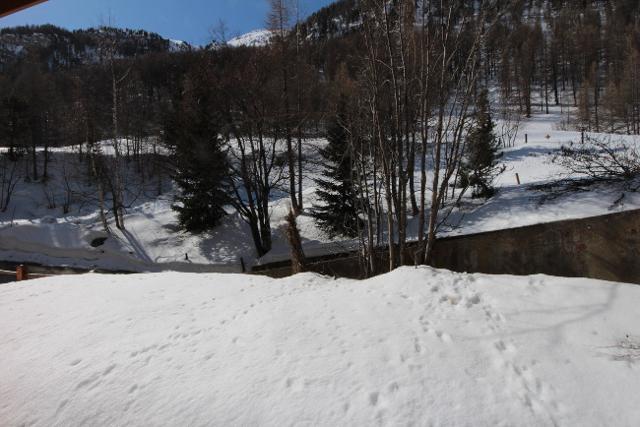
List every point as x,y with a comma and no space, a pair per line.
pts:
373,398
473,300
444,337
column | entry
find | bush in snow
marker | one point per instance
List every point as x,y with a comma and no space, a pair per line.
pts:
600,159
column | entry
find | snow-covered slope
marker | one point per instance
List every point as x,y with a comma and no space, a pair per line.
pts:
153,240
57,47
253,38
414,347
178,46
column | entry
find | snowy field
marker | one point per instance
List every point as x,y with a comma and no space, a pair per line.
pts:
413,347
30,231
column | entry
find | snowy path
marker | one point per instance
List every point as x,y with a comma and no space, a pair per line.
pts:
418,346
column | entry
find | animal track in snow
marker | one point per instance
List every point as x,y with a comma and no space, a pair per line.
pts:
416,345
444,337
373,398
451,299
475,299
109,369
522,382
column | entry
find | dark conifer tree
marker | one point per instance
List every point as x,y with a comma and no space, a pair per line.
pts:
337,215
202,169
13,125
480,165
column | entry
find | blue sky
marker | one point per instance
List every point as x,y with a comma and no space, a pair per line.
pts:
189,20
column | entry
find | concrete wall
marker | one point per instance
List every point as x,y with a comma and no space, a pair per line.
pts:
605,247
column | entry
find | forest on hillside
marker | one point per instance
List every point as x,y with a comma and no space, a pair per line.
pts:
407,93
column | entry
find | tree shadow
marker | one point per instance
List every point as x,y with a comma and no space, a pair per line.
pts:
520,153
136,246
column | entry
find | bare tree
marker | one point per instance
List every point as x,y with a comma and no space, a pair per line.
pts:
256,174
254,141
279,22
418,85
219,32
98,174
457,71
9,178
108,52
600,159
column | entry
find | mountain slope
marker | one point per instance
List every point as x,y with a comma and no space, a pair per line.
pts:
253,38
62,48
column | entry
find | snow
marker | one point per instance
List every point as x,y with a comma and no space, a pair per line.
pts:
151,242
178,45
253,38
413,347
154,242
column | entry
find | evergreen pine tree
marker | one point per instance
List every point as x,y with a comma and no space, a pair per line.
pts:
337,215
480,165
201,162
13,125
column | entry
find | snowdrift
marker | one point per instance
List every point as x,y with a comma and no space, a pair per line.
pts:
417,346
